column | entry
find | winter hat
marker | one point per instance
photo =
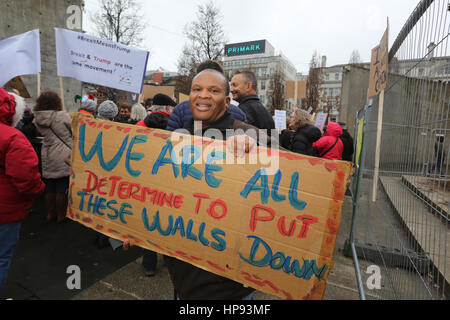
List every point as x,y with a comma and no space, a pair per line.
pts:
107,110
88,103
163,100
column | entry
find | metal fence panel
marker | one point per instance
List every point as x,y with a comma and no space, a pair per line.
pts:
405,233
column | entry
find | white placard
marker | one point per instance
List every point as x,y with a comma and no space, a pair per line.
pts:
280,119
100,61
20,55
321,118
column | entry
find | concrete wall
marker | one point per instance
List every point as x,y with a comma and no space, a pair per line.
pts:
414,111
19,16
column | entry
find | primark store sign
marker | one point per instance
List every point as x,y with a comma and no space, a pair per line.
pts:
245,48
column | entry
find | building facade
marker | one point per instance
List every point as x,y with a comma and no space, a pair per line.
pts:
259,57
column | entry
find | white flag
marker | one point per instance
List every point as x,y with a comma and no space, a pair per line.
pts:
20,55
100,61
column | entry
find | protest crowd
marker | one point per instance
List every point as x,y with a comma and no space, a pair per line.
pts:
36,143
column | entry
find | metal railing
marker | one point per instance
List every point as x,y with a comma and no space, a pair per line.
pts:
405,233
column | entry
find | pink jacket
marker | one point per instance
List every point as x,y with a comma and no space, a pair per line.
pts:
334,131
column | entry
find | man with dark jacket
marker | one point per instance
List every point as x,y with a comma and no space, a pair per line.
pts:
182,112
209,100
243,89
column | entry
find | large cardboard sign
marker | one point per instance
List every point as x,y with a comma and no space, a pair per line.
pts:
379,66
190,198
100,61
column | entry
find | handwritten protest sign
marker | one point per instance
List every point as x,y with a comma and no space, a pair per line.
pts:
379,66
321,119
100,61
280,119
275,233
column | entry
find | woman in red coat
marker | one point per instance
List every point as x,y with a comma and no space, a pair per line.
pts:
20,181
330,145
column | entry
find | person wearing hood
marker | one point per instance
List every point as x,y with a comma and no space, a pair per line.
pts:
304,133
330,146
88,105
20,180
55,126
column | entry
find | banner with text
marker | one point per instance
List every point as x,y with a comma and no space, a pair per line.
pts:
20,55
100,61
379,66
189,198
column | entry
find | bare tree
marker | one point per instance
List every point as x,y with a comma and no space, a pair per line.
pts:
313,83
355,57
276,92
206,41
119,21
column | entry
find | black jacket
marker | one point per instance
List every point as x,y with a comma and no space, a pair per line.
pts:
347,141
257,114
301,141
191,282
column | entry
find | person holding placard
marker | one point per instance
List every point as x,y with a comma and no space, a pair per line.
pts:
209,100
182,112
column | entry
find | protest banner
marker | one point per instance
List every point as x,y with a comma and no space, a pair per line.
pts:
379,66
280,119
20,55
17,83
275,233
379,70
321,119
100,61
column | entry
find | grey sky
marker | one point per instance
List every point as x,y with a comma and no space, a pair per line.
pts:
295,27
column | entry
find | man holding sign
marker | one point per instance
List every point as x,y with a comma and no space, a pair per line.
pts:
228,227
209,100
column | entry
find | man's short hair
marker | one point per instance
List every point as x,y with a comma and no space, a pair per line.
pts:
148,102
226,84
209,64
249,76
124,106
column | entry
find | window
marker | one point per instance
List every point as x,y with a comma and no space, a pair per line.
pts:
336,76
263,85
263,71
327,77
262,98
331,92
337,91
272,71
421,72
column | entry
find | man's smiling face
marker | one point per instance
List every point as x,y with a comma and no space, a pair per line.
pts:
208,98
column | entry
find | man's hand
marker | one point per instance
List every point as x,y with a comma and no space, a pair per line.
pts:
240,145
126,245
